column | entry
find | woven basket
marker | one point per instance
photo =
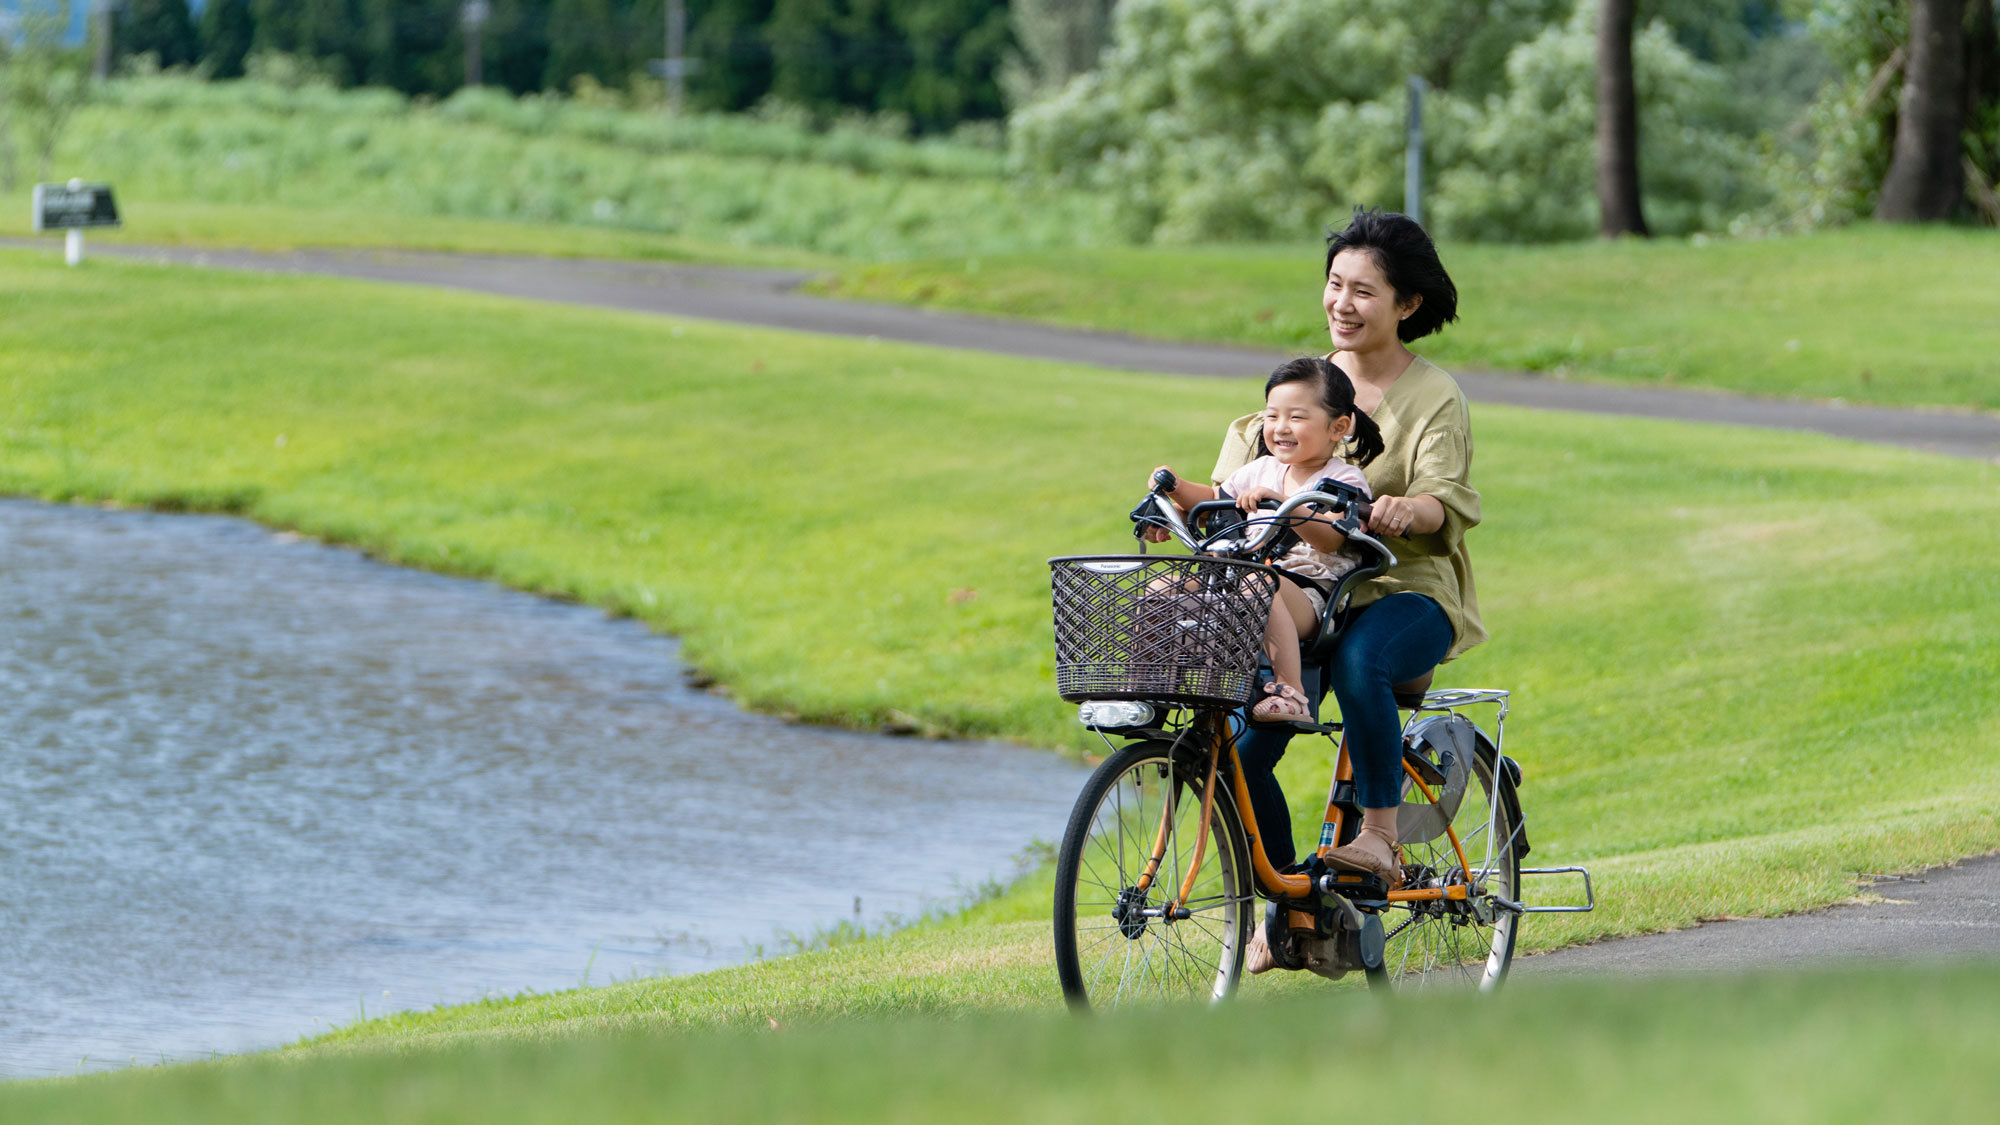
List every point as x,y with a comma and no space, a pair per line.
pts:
1165,628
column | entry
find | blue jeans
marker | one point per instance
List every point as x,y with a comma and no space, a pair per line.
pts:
1390,642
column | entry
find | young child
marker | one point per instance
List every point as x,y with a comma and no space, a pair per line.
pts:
1309,415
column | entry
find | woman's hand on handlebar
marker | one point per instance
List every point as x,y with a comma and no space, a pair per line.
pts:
1404,516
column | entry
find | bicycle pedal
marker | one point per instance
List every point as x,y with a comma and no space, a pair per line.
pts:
1358,887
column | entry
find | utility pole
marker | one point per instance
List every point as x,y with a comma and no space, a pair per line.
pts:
1413,153
676,67
101,12
472,16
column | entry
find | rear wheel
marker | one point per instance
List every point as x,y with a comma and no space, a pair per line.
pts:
1124,938
1459,944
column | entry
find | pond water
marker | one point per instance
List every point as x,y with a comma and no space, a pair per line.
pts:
252,786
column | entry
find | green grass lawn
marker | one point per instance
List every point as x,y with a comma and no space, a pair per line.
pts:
1899,315
1883,1044
1748,664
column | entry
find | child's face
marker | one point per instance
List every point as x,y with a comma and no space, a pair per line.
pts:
1297,428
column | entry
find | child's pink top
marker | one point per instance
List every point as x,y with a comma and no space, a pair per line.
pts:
1269,472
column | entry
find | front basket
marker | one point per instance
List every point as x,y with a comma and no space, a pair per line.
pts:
1178,629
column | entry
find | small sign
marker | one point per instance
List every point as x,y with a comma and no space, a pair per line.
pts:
74,205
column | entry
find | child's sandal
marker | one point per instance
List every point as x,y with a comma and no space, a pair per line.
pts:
1284,704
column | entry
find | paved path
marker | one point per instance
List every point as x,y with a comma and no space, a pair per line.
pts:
771,298
1944,912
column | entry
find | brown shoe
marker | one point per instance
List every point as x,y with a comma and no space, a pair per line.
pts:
1372,852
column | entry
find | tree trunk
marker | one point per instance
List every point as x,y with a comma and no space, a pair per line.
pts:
1618,207
1926,178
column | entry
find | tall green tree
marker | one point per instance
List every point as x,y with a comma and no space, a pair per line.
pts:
161,28
588,37
225,37
726,37
1055,41
935,61
955,51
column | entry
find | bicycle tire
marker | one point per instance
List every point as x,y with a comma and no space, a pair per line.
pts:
1109,954
1427,944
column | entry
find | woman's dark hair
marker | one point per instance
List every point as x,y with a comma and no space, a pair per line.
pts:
1409,261
1336,393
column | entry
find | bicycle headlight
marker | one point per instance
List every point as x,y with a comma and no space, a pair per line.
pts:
1111,714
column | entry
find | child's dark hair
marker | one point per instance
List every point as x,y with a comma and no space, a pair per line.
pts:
1408,261
1336,393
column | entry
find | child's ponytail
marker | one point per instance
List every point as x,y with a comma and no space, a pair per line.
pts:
1366,438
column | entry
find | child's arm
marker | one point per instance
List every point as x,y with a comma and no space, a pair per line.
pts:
1319,534
1186,493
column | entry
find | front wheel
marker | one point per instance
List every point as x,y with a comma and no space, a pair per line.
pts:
1149,909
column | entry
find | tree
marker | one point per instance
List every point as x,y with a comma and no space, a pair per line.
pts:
1058,40
226,33
44,82
586,37
161,28
1618,206
1926,171
727,36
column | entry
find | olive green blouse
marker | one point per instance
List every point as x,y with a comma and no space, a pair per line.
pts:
1427,435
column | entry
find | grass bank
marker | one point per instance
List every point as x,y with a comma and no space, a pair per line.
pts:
1747,664
1898,315
1901,1043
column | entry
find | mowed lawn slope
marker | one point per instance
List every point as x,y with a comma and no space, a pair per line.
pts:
1886,1044
1747,664
1900,315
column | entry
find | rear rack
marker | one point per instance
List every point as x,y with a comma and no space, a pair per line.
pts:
1589,896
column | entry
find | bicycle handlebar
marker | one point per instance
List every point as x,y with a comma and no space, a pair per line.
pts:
1328,494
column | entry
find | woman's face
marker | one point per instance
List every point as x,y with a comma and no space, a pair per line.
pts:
1361,308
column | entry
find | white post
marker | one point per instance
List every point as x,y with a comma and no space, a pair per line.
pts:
676,51
73,245
1413,153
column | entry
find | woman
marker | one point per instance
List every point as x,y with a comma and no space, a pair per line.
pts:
1384,288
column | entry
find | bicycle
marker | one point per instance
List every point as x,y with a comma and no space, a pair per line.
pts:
1163,860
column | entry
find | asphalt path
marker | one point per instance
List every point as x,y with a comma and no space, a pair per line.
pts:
1945,912
771,298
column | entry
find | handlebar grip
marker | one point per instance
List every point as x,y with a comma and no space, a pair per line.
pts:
1164,480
